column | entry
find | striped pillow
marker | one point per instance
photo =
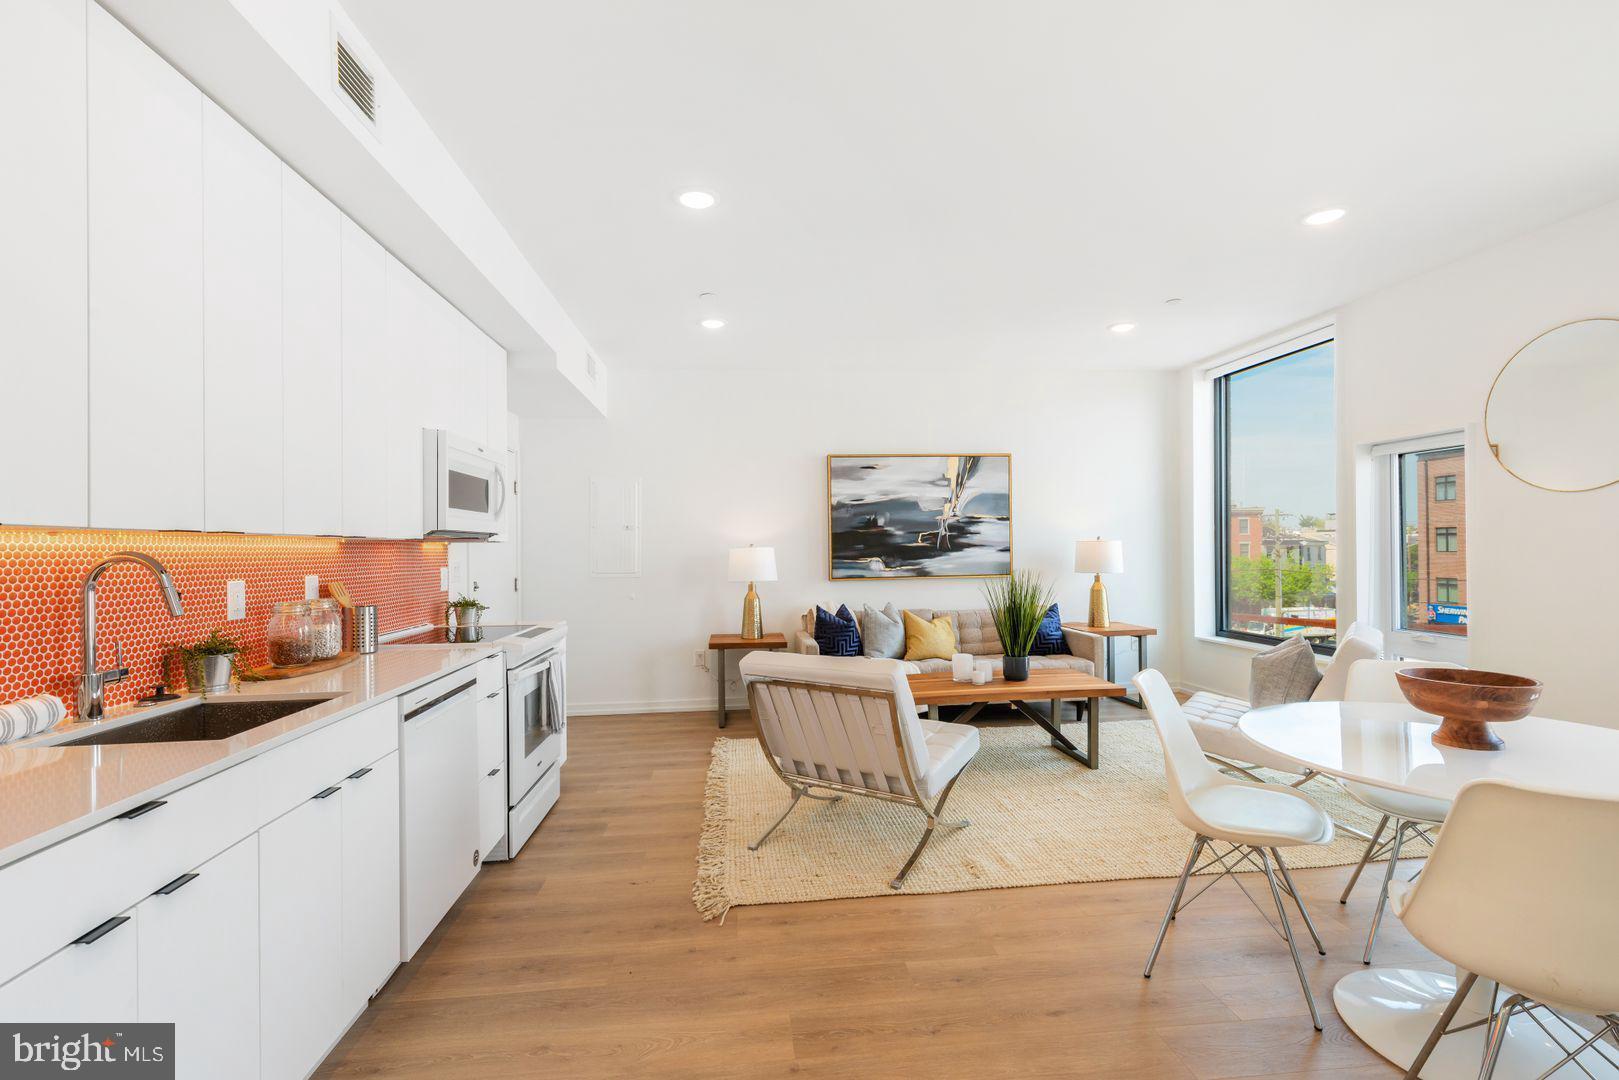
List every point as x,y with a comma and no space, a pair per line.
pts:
1049,640
836,635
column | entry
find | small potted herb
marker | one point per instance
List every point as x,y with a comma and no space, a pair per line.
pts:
208,664
1017,604
465,613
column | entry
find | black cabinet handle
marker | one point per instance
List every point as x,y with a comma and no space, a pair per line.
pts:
101,931
328,793
176,885
495,771
142,809
357,773
492,693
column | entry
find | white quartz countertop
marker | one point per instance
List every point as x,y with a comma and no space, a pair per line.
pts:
49,792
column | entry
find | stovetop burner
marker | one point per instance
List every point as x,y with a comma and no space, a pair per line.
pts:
451,635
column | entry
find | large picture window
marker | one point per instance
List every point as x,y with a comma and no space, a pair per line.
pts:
1276,485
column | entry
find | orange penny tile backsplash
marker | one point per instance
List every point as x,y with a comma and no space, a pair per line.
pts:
42,572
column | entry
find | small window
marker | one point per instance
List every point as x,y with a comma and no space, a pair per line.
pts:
1444,488
1447,590
1427,561
1444,541
1243,548
1242,527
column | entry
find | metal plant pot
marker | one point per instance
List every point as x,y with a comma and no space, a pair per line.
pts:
209,674
1015,668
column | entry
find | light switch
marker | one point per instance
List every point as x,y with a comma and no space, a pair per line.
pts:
311,586
235,599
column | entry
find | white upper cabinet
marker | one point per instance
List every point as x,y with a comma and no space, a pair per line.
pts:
145,297
241,288
407,393
43,360
472,410
365,382
492,358
311,358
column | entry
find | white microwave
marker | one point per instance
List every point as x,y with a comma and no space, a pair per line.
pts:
463,488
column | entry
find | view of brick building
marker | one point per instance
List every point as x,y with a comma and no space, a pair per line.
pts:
1436,545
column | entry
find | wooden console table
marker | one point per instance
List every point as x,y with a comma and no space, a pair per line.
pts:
724,643
1117,630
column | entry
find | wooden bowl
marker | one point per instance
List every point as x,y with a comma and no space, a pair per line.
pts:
1469,702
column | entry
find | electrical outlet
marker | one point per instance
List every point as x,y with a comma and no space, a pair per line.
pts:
235,599
311,586
699,660
733,684
444,578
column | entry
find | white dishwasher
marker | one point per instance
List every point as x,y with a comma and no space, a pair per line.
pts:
438,801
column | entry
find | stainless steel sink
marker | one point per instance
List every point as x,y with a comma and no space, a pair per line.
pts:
205,721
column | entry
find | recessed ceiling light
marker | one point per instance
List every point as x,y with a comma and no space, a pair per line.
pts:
1324,217
712,324
696,200
1122,327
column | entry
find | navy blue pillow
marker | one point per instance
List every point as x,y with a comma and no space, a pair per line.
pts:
1049,639
837,635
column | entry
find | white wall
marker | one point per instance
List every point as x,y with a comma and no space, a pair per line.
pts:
728,458
1419,357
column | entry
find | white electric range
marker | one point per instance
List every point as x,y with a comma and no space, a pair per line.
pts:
536,715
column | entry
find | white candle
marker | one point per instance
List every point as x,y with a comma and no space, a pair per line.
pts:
961,667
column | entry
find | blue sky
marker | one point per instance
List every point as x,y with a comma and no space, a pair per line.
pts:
1283,446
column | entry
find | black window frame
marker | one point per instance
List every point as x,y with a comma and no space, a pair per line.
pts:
1455,584
1449,482
1222,503
1450,533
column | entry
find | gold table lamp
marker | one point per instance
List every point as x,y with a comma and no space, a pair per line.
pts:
752,564
1098,557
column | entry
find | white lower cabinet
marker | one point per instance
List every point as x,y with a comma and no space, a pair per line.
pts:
198,948
370,879
89,981
301,1002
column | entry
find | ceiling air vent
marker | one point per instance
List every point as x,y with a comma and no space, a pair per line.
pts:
356,83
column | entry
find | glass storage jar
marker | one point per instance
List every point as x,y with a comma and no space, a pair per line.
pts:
326,628
289,636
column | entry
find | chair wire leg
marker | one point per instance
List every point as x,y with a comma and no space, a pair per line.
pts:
1462,989
798,793
1287,932
1298,901
1365,856
1495,1036
1174,902
1400,827
927,833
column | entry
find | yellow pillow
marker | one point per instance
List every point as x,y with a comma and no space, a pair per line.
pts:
925,640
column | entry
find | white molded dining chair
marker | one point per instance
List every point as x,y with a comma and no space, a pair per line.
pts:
1414,816
1255,821
849,725
1519,890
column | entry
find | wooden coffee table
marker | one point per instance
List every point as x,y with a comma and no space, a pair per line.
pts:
1056,686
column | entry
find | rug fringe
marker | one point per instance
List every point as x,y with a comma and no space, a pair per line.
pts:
709,891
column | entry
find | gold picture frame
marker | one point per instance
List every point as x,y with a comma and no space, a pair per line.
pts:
959,543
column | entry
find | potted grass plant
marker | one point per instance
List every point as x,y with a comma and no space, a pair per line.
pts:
1017,604
465,613
207,664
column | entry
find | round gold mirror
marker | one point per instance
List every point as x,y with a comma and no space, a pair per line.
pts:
1552,417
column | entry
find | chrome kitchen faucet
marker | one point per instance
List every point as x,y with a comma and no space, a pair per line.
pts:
93,683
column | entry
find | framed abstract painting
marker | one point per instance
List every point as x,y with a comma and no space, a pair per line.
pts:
919,515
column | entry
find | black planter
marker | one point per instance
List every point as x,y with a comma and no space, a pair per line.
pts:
1015,668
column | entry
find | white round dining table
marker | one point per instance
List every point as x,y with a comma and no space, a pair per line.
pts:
1390,745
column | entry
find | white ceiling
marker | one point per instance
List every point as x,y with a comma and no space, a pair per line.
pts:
954,183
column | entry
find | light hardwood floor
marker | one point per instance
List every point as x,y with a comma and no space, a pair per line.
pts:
586,958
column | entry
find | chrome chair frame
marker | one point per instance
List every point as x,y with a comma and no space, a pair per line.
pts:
801,785
1422,830
1245,854
1496,1030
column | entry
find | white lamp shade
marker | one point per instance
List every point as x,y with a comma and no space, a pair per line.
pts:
1099,557
753,564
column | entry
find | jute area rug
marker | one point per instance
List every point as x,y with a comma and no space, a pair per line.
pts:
1038,818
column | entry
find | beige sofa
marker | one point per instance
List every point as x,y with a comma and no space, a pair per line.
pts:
975,634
